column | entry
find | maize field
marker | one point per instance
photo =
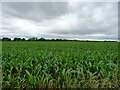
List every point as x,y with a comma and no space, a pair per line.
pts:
64,64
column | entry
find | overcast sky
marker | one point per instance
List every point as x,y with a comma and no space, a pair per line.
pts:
68,20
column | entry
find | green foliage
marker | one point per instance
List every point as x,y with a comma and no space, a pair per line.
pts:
60,64
19,39
6,39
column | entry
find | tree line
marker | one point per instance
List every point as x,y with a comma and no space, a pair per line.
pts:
31,39
43,39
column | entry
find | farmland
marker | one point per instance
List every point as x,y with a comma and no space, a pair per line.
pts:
62,64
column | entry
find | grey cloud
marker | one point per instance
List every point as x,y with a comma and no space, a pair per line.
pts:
34,10
91,20
92,25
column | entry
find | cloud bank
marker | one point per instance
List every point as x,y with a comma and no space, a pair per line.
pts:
68,20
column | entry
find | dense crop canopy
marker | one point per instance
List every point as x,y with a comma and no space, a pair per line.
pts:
60,64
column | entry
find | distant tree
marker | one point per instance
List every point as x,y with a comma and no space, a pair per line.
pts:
47,39
105,41
41,39
65,40
17,39
59,40
52,40
6,39
30,39
33,39
23,39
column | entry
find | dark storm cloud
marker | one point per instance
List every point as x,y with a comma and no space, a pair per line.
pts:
71,20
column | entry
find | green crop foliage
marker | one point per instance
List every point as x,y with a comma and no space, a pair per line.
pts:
60,64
